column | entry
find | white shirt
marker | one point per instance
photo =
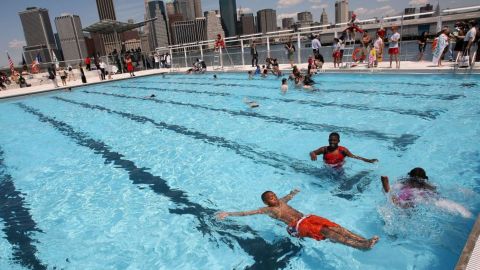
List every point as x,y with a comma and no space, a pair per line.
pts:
102,64
394,40
470,34
316,44
378,44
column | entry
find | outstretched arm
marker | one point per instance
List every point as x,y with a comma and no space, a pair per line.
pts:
315,153
223,215
290,195
385,184
349,154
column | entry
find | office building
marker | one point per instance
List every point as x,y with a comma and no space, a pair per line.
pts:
105,44
324,18
247,21
409,11
266,20
106,10
305,18
186,8
170,7
198,8
157,30
214,25
341,11
287,23
71,37
189,31
38,34
228,13
426,8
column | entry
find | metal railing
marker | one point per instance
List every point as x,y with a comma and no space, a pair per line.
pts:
271,44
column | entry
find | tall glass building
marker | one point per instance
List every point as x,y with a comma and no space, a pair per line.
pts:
228,12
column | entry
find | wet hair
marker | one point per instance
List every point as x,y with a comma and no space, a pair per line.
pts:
418,173
214,76
419,179
284,81
264,194
334,134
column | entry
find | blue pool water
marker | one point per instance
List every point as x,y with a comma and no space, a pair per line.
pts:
100,178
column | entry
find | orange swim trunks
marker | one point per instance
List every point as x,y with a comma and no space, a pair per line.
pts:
310,226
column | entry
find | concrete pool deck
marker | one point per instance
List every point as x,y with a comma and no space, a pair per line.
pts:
470,257
41,84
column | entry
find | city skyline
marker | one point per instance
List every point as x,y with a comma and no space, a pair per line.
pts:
13,38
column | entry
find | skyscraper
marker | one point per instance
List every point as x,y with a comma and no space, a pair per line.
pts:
158,29
324,18
287,23
247,21
266,20
106,10
305,18
38,34
106,43
228,13
70,33
214,25
198,8
341,11
189,31
170,6
186,8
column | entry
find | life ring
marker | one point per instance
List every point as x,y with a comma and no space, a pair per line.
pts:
358,55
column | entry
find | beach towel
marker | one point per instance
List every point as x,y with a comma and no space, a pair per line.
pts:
442,43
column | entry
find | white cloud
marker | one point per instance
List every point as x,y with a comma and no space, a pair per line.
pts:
321,6
244,10
318,4
286,15
16,44
287,3
418,2
376,12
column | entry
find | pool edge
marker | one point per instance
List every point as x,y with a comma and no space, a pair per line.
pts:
472,244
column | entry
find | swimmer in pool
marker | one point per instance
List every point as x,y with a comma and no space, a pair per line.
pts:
284,86
300,225
251,103
416,189
214,76
334,155
148,97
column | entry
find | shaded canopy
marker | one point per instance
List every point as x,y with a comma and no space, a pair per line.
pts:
111,26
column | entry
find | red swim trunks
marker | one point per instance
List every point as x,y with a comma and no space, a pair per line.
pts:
310,226
393,51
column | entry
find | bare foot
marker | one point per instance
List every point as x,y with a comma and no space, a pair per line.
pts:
373,241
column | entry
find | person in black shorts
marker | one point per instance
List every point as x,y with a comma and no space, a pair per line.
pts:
422,44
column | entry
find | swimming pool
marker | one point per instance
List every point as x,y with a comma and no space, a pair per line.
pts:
102,178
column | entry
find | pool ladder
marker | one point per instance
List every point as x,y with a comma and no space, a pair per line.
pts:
218,60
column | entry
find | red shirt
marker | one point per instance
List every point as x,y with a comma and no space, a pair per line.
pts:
336,157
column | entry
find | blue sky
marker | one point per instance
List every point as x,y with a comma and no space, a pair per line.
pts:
13,39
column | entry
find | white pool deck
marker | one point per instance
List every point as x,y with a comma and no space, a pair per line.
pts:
470,257
45,85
